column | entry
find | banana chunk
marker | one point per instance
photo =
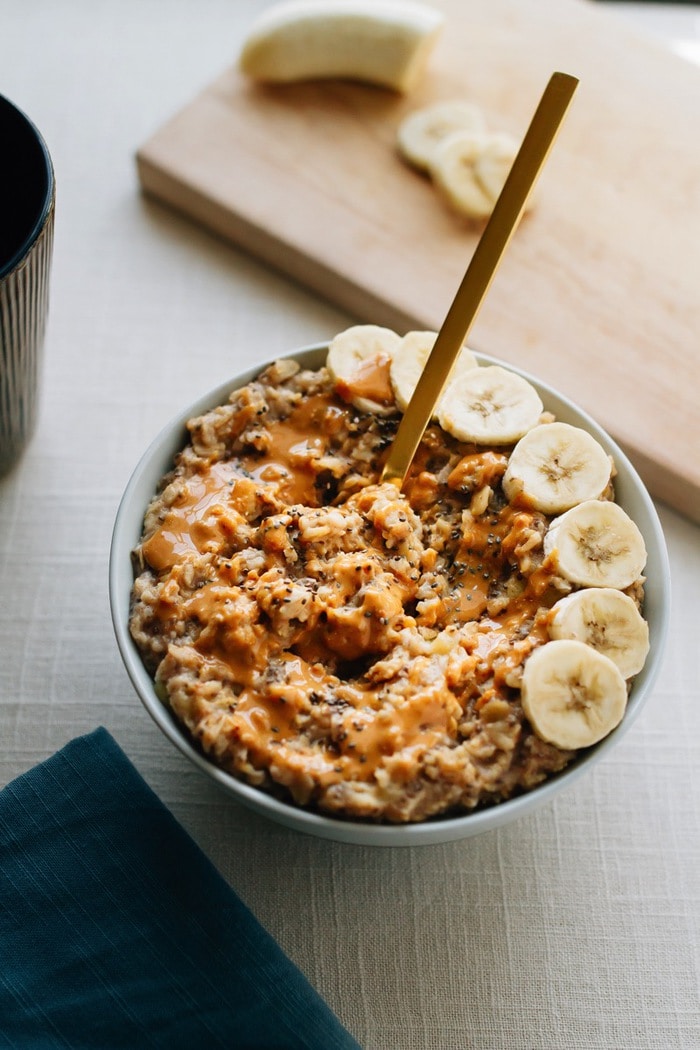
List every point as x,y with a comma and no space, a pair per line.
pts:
359,360
409,360
421,132
470,168
597,545
555,466
572,695
489,405
607,620
385,42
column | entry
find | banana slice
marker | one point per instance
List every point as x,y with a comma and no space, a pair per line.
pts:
555,466
409,359
489,405
607,620
420,132
385,42
470,169
359,360
597,545
572,695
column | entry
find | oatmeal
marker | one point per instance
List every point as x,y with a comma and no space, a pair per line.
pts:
338,642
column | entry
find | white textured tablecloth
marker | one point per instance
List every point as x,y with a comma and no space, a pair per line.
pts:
576,928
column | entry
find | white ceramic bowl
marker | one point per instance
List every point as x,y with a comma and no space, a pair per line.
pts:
157,460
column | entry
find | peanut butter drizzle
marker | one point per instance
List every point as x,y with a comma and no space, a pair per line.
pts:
183,530
266,723
276,711
288,463
370,380
269,714
299,440
468,597
477,565
363,735
230,638
369,736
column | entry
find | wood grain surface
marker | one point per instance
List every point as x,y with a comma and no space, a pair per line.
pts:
599,292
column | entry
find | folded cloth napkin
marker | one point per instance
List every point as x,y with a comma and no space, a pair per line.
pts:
116,931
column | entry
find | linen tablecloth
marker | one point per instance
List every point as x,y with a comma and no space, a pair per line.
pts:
576,928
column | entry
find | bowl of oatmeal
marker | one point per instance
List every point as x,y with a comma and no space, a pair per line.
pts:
378,666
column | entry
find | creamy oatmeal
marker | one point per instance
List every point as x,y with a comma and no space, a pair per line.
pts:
330,639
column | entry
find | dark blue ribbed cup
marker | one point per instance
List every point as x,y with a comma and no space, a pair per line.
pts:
27,202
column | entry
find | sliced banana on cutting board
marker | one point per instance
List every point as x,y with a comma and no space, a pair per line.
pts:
421,132
359,360
572,695
607,620
470,168
555,466
408,362
467,162
596,544
489,405
384,42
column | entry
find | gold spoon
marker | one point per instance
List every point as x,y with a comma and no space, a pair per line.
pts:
527,165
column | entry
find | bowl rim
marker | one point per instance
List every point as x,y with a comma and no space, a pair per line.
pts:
155,462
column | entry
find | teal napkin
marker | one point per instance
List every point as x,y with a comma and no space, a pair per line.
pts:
117,932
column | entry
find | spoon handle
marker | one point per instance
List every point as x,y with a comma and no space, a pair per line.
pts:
526,167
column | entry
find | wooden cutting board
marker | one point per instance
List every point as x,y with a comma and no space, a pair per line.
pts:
599,292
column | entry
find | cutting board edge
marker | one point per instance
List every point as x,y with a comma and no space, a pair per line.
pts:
157,183
673,490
